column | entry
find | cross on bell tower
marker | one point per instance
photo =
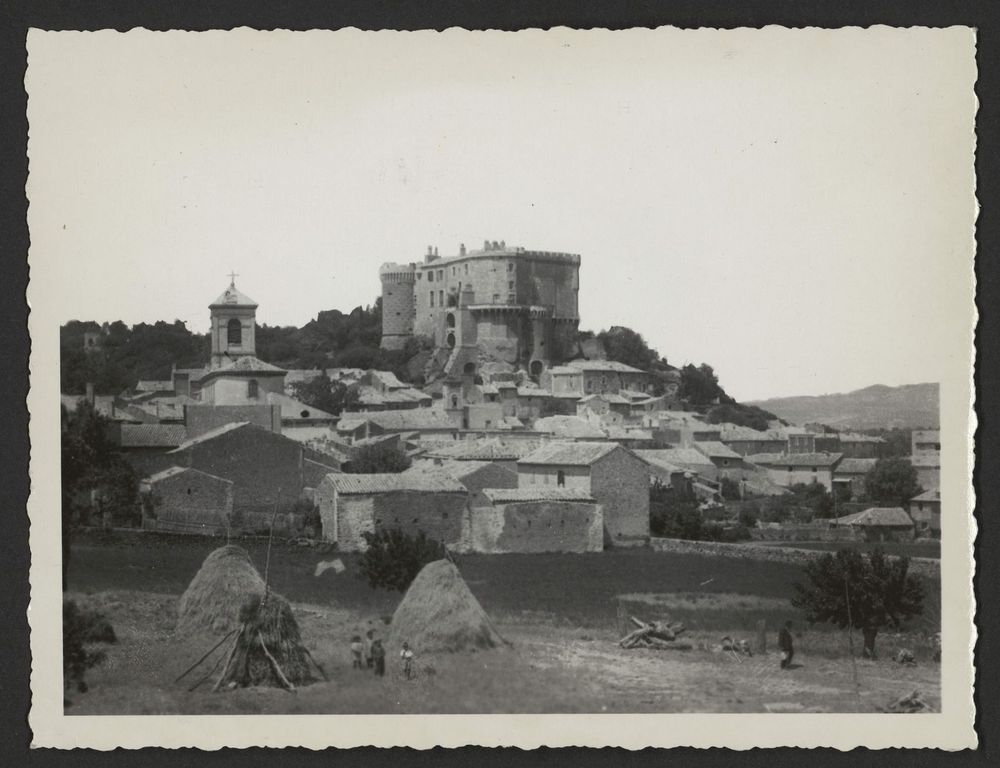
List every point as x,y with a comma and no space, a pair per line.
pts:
232,279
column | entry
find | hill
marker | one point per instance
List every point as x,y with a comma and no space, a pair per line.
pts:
909,406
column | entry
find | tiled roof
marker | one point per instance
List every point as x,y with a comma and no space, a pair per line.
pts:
245,365
533,392
851,466
891,516
932,495
681,457
295,410
232,297
851,437
795,459
539,493
172,471
931,460
716,450
425,481
454,467
568,426
193,374
413,419
487,449
602,365
608,398
734,432
204,437
351,423
149,385
563,370
152,435
565,453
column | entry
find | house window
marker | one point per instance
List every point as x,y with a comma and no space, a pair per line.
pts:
511,298
814,469
432,298
234,332
252,388
466,269
441,298
510,285
430,277
510,266
790,469
561,479
496,298
453,271
441,275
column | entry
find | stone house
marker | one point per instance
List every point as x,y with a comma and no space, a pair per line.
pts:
476,476
795,468
536,519
146,446
746,441
185,500
687,459
266,468
857,446
925,510
728,463
351,505
851,473
880,524
609,376
617,479
800,440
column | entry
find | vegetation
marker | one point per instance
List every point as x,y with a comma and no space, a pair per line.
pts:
380,457
393,559
93,470
892,481
330,396
82,629
866,592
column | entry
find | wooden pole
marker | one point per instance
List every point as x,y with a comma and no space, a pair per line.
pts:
267,558
229,659
761,637
274,663
189,669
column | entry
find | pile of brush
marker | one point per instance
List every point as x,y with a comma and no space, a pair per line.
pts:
659,635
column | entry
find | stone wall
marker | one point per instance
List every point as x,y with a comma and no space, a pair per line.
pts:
619,481
535,526
189,502
921,566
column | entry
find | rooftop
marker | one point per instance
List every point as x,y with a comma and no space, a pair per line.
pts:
602,365
412,480
568,426
680,457
932,495
296,410
538,493
716,450
152,435
204,437
851,466
172,471
232,297
878,516
244,366
566,453
486,449
795,459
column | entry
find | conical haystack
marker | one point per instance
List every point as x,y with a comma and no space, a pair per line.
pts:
222,585
268,649
439,613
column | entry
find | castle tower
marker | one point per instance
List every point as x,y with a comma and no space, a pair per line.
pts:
234,317
397,304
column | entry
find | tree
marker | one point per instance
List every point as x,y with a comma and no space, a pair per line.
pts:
815,496
330,396
743,415
393,559
870,592
892,481
82,628
674,513
376,458
627,346
700,386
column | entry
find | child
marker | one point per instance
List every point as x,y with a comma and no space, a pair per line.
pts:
357,647
369,639
378,658
407,656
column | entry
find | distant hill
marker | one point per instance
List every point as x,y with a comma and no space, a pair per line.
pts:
909,406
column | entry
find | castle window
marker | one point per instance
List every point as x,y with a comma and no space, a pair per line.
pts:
511,298
441,275
496,298
441,298
252,388
432,298
561,479
430,277
234,332
454,271
510,266
450,319
466,269
510,285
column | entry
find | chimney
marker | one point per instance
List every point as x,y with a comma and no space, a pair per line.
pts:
503,245
461,249
435,251
90,393
486,245
430,250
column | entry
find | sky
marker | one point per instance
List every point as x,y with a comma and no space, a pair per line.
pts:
795,208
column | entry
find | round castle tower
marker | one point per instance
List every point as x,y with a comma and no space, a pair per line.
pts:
398,309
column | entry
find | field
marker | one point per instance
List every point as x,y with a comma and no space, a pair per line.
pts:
562,613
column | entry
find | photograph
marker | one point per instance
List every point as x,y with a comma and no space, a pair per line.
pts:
575,373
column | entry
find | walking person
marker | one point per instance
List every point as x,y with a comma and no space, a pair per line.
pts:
357,648
406,656
785,645
367,652
378,658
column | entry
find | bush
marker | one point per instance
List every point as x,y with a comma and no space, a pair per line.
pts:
82,628
378,458
393,559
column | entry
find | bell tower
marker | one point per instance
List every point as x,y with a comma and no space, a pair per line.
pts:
234,316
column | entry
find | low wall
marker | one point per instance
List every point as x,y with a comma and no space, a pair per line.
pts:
921,566
806,533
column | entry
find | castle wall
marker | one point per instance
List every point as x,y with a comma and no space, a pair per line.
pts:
397,304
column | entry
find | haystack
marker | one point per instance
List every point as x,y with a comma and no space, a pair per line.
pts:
212,601
268,649
439,613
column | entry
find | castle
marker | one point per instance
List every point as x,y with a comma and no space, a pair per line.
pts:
501,303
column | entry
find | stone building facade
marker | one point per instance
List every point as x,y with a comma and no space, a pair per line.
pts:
500,303
536,520
185,500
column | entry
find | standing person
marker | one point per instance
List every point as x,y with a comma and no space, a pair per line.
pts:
368,641
378,658
357,647
406,655
785,645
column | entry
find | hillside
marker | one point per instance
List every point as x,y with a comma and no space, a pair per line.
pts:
909,406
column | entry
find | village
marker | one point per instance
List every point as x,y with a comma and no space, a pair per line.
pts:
521,439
